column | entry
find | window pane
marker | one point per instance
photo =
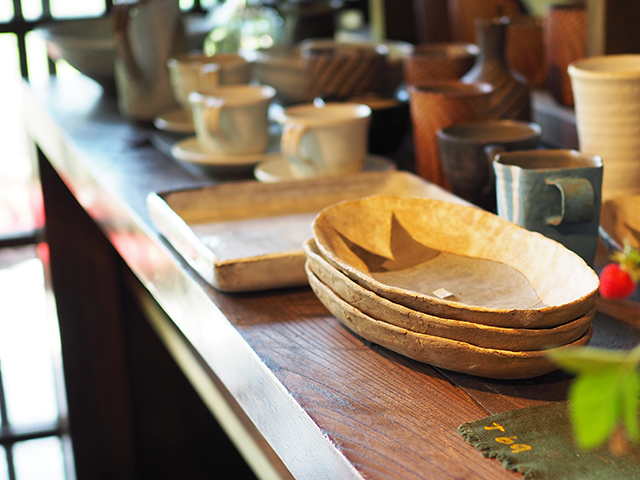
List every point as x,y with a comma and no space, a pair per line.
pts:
74,8
6,14
64,70
31,9
4,470
186,4
16,212
9,59
39,459
36,57
28,340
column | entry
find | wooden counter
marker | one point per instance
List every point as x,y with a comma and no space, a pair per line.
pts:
298,394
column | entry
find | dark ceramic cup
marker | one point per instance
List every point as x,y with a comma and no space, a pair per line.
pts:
557,193
467,151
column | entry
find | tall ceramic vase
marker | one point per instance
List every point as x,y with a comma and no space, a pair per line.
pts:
511,96
606,90
464,13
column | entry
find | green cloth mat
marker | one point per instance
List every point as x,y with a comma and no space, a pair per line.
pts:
538,442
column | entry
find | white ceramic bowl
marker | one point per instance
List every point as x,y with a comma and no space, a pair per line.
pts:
87,44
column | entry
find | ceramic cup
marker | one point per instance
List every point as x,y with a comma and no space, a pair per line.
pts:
232,119
439,61
436,105
606,92
467,151
565,37
557,193
193,72
327,140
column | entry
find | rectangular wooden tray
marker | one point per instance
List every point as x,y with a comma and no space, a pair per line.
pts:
248,236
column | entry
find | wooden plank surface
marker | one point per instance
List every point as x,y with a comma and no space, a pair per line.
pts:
327,403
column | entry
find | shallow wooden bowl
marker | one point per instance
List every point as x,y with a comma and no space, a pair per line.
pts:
379,308
438,351
620,220
456,262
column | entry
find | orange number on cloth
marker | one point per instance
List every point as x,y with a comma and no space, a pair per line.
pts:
505,440
520,447
495,427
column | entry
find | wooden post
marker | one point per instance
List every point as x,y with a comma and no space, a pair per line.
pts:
613,27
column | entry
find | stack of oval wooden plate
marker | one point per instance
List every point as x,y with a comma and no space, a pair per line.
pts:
450,285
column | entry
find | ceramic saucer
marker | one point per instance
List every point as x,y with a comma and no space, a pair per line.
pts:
277,168
188,150
175,120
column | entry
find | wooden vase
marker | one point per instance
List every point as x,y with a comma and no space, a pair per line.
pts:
464,13
565,36
510,98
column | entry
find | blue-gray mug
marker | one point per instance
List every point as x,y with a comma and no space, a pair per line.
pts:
557,193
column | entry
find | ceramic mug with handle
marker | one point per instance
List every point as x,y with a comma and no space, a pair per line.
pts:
232,119
557,193
467,151
193,72
328,140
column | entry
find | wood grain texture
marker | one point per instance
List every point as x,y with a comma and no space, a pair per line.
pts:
565,39
511,94
439,61
438,104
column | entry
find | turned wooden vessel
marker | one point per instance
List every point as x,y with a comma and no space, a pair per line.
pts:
438,104
456,262
379,308
439,61
511,96
441,352
565,37
525,50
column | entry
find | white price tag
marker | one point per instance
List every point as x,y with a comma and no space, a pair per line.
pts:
442,293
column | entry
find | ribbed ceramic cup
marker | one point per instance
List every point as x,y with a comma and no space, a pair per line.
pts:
525,50
468,149
565,38
553,192
439,61
436,105
606,90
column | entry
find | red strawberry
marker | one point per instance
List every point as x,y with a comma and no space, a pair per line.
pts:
615,282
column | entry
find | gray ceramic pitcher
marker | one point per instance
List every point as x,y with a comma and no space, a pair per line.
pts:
554,192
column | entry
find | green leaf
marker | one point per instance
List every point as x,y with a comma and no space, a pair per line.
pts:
629,386
593,407
605,392
591,360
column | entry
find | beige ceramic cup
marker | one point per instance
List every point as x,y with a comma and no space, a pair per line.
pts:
606,91
193,72
327,140
232,119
